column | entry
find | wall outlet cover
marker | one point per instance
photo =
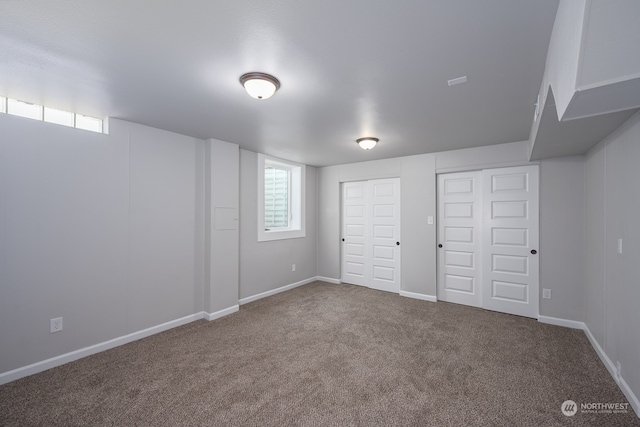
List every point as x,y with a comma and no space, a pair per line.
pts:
55,325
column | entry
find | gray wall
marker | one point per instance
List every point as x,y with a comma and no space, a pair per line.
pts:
594,297
222,252
610,45
265,266
97,229
612,284
561,212
417,201
108,231
562,236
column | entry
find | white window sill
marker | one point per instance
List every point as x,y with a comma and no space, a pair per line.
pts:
270,235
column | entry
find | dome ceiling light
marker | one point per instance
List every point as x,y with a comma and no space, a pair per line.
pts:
260,85
367,143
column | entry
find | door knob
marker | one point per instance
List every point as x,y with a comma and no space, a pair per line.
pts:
343,240
398,243
439,245
533,252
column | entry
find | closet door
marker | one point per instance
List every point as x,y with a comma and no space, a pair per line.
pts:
384,229
371,234
459,238
488,239
355,251
511,240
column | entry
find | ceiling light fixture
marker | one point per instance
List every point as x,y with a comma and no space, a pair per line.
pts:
260,85
367,143
457,81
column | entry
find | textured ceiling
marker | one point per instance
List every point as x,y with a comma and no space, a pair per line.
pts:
348,69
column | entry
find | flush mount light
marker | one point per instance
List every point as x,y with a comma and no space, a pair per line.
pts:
457,81
367,143
260,85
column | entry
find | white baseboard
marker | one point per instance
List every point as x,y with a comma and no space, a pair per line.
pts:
423,297
573,324
626,390
611,367
276,290
221,313
43,365
328,279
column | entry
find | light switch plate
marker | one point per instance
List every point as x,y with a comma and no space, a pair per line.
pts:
430,220
620,246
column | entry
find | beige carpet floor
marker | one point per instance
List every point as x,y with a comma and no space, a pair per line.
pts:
332,355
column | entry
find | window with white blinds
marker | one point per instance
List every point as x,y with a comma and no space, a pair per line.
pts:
281,199
276,197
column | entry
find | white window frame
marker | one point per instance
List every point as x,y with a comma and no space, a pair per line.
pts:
12,107
297,188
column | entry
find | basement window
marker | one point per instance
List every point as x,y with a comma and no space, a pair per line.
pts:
88,123
281,199
59,117
50,115
24,109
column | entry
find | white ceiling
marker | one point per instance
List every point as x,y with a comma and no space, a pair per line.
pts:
348,68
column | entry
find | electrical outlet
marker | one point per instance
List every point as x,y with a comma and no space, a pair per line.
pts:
546,293
55,325
293,267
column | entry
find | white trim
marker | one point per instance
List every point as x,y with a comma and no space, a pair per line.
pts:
297,197
423,297
53,362
622,384
573,324
221,313
499,165
276,291
329,280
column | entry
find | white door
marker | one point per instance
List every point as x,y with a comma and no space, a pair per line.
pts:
371,234
354,233
511,240
459,237
385,234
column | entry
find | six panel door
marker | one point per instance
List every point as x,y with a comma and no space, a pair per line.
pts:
488,232
511,240
385,234
459,230
354,233
371,234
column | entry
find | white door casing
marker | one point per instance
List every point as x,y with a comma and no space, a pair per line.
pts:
510,246
371,233
459,238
